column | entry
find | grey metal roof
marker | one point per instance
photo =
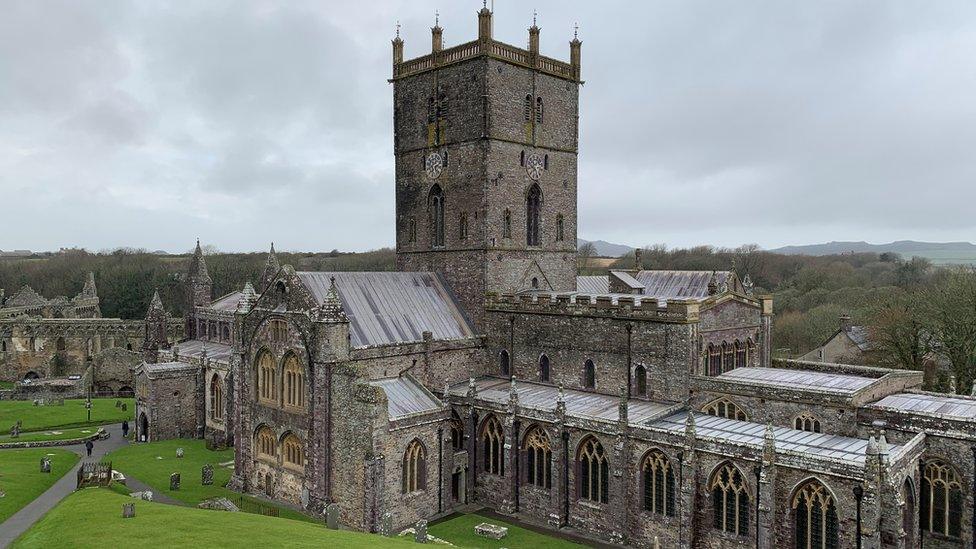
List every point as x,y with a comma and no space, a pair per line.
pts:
392,307
627,279
579,404
669,284
848,449
800,379
406,397
228,303
593,284
193,348
942,405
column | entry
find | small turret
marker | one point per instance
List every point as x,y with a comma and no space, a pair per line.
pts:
484,23
574,53
397,52
436,35
534,37
200,290
155,337
271,267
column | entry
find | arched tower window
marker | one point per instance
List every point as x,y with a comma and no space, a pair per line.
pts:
807,422
815,518
291,450
493,442
538,458
507,224
941,499
414,467
560,228
504,363
267,376
294,382
538,110
724,407
216,398
527,108
589,374
658,483
533,205
640,380
435,201
265,443
594,471
544,369
730,500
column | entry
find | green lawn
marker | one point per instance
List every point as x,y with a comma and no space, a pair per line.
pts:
460,532
21,477
93,517
152,463
50,435
72,414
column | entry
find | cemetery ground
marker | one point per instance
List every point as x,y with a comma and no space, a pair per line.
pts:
459,530
21,478
93,516
52,435
72,414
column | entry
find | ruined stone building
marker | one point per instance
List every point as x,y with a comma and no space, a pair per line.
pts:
637,408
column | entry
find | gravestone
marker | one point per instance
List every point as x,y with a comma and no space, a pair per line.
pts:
304,498
14,431
332,516
489,530
125,407
386,525
179,452
2,494
174,481
128,510
420,531
37,402
45,464
207,475
118,403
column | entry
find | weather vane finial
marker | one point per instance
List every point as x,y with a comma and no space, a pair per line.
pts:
437,18
576,31
398,28
484,4
534,13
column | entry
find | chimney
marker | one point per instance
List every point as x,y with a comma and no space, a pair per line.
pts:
845,322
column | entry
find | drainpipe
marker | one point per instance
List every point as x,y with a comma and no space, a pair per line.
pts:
566,479
440,470
858,494
757,470
515,446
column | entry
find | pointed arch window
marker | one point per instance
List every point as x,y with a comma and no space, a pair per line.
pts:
807,422
640,380
291,452
730,501
589,374
504,363
728,357
724,407
527,108
544,369
538,110
815,518
457,434
538,458
593,465
265,443
435,202
216,399
941,500
740,354
493,442
267,377
414,467
658,483
533,206
294,382
507,224
714,360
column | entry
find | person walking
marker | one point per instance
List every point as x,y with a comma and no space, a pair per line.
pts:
125,428
88,446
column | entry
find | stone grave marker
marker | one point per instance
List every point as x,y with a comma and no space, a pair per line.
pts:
14,431
420,531
125,407
386,525
206,475
488,530
118,403
174,481
45,464
304,498
179,452
128,510
332,516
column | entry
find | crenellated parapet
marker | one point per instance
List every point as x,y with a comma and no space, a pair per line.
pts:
632,307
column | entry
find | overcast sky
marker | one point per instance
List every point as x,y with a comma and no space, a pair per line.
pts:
150,124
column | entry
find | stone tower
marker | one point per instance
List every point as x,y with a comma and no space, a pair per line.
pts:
485,139
199,289
155,337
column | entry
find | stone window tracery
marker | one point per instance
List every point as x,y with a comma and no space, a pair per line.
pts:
294,382
658,483
593,465
533,207
267,376
728,357
741,355
292,453
457,434
714,360
724,407
730,501
940,504
493,441
807,422
265,443
815,518
216,399
414,467
436,205
538,458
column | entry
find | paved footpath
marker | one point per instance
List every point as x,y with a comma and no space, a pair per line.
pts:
33,511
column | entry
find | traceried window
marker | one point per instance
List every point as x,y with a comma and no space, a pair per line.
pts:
291,451
544,369
807,422
504,363
457,434
279,328
538,110
730,501
435,202
741,358
815,518
267,375
728,357
594,471
658,483
725,408
714,360
414,467
940,504
493,442
560,228
265,443
463,226
533,205
294,382
216,399
538,458
507,224
589,374
640,380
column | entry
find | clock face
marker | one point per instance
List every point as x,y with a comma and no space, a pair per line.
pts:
534,166
434,165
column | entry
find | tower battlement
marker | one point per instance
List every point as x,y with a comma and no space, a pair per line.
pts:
617,306
486,46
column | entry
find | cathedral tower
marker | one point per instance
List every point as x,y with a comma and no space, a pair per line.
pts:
485,139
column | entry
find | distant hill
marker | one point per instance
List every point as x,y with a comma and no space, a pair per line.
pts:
607,249
937,252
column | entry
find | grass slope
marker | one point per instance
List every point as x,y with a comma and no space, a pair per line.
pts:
72,414
460,532
152,463
21,477
73,433
93,518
